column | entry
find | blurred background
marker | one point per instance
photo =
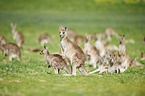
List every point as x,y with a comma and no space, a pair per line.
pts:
91,16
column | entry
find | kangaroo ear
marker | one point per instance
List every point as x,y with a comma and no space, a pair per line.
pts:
66,28
60,28
44,47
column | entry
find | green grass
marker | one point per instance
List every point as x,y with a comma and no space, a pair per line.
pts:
35,16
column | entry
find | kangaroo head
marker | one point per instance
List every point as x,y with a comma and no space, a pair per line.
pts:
44,50
112,59
122,39
63,32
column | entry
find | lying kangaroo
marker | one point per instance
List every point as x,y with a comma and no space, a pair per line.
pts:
2,40
18,36
91,50
12,50
55,60
73,52
44,39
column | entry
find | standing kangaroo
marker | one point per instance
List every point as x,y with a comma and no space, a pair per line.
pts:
18,36
55,60
73,52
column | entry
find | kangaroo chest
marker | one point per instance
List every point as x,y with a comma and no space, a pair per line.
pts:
67,49
63,46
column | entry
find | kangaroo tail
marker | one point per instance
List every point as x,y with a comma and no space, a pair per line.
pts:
97,70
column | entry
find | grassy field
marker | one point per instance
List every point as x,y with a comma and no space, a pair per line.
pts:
32,77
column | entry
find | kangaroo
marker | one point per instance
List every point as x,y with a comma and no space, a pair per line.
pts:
113,60
12,50
2,40
73,52
55,60
44,39
91,50
18,36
